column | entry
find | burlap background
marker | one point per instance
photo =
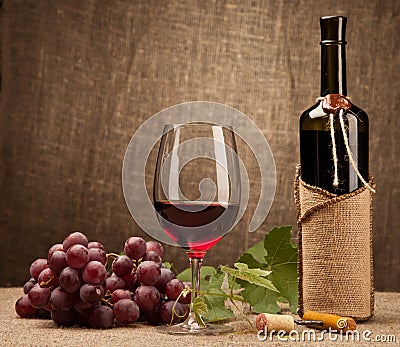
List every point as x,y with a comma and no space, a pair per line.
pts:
79,77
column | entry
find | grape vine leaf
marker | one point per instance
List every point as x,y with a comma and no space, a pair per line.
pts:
217,311
215,298
279,256
261,299
255,276
205,275
214,281
199,306
211,303
282,260
167,265
266,273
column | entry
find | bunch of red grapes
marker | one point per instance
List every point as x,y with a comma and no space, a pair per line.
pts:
73,286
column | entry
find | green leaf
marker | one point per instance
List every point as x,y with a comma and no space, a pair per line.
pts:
277,254
199,306
215,281
257,252
261,298
167,265
281,259
251,262
211,304
217,311
267,273
206,272
254,276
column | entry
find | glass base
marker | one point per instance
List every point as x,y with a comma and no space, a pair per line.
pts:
186,328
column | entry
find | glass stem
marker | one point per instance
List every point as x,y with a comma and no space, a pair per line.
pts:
195,264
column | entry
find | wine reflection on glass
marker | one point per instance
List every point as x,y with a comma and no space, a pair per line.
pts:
196,197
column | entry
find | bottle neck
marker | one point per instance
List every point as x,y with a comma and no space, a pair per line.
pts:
333,69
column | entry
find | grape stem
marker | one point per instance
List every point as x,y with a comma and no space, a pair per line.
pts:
112,255
44,284
107,301
234,304
174,313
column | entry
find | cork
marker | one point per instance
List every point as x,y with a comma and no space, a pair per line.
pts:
274,322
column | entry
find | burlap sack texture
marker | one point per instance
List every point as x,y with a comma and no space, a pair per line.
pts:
80,77
335,251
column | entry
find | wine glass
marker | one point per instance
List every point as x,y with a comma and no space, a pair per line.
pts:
196,197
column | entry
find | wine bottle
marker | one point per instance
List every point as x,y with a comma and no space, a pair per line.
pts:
326,161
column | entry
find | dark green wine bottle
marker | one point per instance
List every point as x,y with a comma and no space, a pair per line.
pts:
316,146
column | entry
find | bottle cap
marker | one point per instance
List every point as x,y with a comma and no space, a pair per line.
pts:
333,30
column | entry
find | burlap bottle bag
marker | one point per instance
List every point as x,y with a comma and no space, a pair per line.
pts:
335,251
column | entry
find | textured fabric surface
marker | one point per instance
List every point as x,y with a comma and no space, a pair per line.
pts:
335,251
79,77
17,332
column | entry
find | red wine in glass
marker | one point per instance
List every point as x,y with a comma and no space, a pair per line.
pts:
196,197
196,227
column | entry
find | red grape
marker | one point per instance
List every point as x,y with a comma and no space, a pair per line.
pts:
166,276
28,285
24,308
148,273
47,278
114,282
94,272
153,316
131,282
56,247
95,244
60,300
38,296
82,318
174,288
91,294
43,313
155,246
70,279
146,297
75,238
126,311
72,286
57,261
101,317
135,248
186,314
167,314
64,318
122,265
186,299
77,256
37,267
120,294
97,254
81,306
153,256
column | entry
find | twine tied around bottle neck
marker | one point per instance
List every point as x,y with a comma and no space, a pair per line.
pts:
334,104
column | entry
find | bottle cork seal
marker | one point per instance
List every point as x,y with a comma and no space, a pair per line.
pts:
332,103
332,321
274,322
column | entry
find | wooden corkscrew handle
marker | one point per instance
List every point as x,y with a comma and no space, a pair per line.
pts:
331,321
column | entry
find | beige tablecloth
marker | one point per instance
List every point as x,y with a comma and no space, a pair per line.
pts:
15,331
